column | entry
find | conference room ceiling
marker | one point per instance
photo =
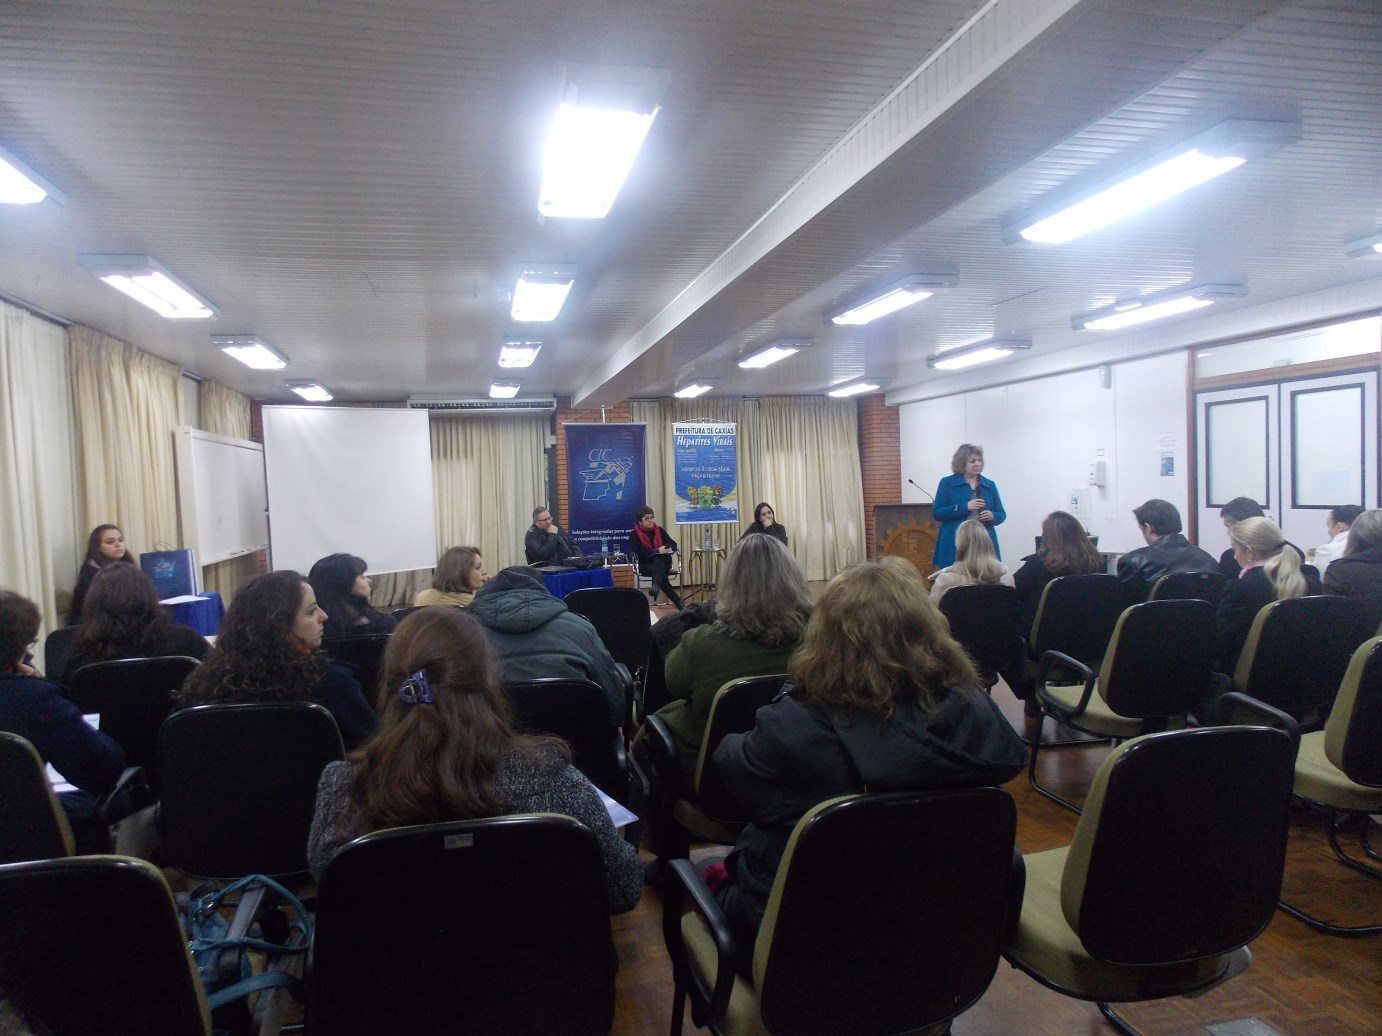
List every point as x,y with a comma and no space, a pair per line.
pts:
356,182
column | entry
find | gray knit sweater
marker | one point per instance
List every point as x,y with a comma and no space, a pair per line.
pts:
549,785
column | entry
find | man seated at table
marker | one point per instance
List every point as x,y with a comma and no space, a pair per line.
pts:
1166,550
546,544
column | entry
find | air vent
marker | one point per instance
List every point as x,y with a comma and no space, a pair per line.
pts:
541,405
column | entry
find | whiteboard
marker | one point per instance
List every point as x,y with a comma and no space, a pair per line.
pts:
222,499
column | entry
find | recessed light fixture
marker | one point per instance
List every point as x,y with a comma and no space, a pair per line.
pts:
913,288
145,281
774,351
1364,246
857,388
540,294
1204,156
985,351
519,352
699,387
503,389
311,391
251,350
1161,304
20,185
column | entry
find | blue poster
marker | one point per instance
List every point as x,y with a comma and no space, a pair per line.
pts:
605,484
705,473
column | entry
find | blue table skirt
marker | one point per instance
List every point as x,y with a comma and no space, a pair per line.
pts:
204,616
559,584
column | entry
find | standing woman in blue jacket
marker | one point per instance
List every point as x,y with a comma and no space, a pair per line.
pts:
965,494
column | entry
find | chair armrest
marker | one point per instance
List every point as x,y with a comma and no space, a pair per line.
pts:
1017,889
133,782
1236,709
683,882
1049,661
664,769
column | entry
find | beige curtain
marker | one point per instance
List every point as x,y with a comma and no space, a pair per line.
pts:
657,435
39,547
226,412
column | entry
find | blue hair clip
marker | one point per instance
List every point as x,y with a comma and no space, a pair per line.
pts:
416,689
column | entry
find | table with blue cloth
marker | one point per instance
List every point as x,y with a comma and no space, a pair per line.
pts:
559,584
202,615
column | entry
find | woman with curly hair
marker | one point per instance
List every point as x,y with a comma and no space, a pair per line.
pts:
447,749
269,649
124,620
343,590
460,572
884,699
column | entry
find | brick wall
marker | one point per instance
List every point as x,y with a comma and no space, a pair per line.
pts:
880,458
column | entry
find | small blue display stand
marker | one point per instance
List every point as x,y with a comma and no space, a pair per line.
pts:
559,584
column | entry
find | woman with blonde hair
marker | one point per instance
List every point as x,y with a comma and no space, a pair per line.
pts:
460,572
975,561
1270,571
883,699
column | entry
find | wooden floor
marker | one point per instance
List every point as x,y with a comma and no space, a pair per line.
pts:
1301,983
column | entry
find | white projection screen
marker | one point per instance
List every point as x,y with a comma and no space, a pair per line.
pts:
350,481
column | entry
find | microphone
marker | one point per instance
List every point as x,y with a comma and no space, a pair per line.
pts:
932,498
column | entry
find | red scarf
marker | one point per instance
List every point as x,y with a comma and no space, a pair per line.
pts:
649,543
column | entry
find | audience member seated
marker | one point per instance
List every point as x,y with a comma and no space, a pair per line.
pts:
1166,550
1269,571
1066,550
343,590
447,750
545,544
765,522
269,649
761,608
668,630
460,572
1337,522
1236,510
652,546
884,700
536,636
1358,574
36,710
105,546
975,561
123,619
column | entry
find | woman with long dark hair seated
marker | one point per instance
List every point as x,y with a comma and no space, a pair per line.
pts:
343,590
884,699
459,573
765,523
652,546
123,619
105,546
1066,550
447,749
269,649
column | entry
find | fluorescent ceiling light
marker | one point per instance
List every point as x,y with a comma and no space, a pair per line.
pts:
503,390
975,353
912,288
251,350
20,185
696,388
540,294
774,351
1364,246
589,154
1203,157
855,388
519,352
1155,307
145,281
311,391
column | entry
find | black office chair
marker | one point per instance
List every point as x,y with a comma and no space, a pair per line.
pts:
1200,586
1174,868
93,944
133,696
984,619
479,926
57,650
887,915
620,615
363,654
33,824
399,614
576,711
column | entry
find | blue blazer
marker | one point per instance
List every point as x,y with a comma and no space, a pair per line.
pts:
952,507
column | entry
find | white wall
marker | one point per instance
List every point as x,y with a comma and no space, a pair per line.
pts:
1040,436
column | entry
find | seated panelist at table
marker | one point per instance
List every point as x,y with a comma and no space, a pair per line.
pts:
653,547
765,522
545,543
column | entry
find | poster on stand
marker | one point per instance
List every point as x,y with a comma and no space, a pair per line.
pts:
605,484
705,473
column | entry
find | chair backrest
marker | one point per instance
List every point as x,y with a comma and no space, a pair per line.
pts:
364,653
1077,615
1160,659
93,944
134,696
478,926
399,614
984,619
1179,853
888,912
240,786
57,649
1298,650
734,710
620,615
1353,733
575,711
1201,586
33,825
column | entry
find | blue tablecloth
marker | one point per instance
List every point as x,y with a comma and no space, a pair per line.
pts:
204,616
559,584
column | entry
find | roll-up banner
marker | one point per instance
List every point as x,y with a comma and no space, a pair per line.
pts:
705,473
606,483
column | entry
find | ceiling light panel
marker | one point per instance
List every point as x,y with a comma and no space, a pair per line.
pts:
311,391
20,185
774,352
504,389
913,288
1131,312
519,352
975,353
146,281
539,295
251,350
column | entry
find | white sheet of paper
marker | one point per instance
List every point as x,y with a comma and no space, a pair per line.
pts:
183,599
618,815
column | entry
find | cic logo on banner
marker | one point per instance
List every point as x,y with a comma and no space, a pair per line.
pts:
605,484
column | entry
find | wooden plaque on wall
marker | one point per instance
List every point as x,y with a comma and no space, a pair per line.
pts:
906,530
